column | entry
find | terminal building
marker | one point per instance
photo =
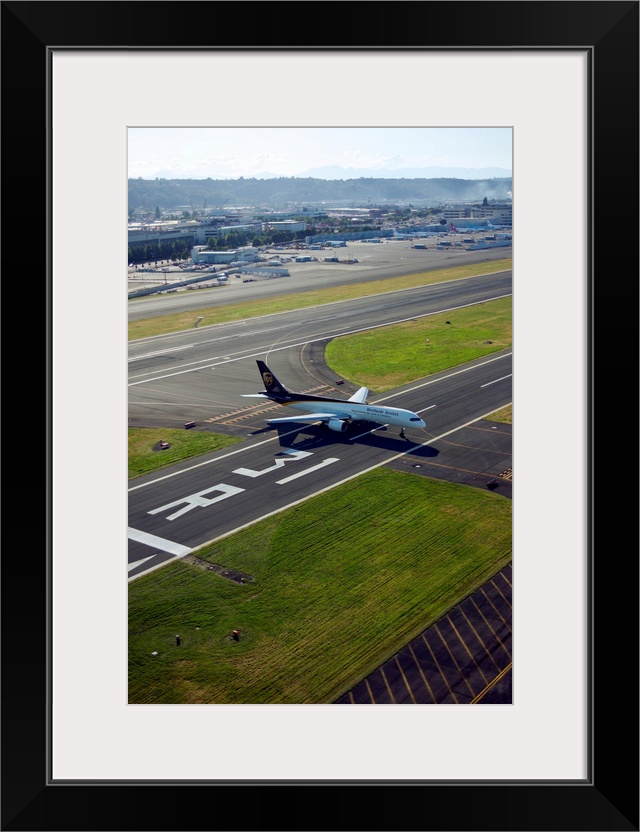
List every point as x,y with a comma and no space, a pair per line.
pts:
189,232
284,225
464,216
200,254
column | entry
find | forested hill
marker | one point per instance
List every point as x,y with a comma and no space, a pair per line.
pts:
215,193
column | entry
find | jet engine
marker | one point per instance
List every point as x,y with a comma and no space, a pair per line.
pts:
338,425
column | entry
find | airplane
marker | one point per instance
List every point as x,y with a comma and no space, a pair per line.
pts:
336,414
469,228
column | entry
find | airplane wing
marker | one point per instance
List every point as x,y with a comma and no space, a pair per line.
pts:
308,417
360,395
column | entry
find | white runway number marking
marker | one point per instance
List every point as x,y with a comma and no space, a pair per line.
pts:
199,500
279,463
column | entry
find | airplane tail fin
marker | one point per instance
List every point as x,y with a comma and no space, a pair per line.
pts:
271,383
452,227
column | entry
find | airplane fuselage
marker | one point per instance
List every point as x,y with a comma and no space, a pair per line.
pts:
353,410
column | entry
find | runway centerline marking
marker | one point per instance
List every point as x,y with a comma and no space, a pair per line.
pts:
495,381
328,461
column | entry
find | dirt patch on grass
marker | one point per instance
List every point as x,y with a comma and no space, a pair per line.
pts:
229,574
161,446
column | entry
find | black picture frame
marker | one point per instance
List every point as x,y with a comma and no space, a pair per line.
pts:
608,799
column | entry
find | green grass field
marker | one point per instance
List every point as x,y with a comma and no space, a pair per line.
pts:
340,584
145,454
391,356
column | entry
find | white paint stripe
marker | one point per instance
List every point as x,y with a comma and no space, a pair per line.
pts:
162,352
159,542
138,562
449,375
495,381
304,473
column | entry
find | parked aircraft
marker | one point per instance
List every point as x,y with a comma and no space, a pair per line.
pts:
468,228
337,414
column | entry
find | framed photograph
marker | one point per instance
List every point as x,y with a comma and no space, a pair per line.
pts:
564,754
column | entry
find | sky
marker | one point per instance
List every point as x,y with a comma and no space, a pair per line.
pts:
321,152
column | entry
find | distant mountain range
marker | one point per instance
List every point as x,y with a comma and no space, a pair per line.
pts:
336,172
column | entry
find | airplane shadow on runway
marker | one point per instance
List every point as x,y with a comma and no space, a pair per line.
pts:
312,437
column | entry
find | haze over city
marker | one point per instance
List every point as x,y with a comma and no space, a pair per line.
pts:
319,152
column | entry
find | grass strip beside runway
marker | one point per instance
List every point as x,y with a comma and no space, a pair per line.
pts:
181,321
154,448
341,582
390,356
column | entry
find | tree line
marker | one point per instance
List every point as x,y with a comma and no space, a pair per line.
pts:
150,252
175,250
200,193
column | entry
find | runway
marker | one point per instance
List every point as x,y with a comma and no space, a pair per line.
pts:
182,506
